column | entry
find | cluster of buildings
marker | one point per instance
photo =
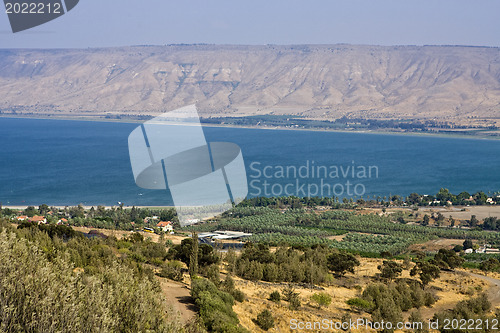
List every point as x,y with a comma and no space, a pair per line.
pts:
486,248
39,219
165,226
36,219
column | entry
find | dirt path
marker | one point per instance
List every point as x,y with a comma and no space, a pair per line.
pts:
177,295
494,291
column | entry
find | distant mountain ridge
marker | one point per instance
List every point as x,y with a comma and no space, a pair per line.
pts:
448,83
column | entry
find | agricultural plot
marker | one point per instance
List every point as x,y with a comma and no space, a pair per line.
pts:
367,233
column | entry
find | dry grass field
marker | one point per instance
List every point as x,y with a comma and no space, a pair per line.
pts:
450,288
121,233
464,213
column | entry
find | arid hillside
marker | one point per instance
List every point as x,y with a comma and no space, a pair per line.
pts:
447,83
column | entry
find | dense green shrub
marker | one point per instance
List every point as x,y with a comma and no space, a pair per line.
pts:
285,264
172,270
426,270
361,304
215,307
265,320
42,292
206,254
275,296
472,309
490,265
447,259
340,263
390,300
390,269
229,287
238,295
322,299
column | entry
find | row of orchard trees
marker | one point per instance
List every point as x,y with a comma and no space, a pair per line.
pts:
302,228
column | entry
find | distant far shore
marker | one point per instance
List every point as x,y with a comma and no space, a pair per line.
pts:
469,133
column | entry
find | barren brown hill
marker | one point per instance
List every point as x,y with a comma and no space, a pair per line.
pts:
448,83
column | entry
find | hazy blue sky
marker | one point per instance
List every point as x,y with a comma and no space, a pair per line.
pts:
96,23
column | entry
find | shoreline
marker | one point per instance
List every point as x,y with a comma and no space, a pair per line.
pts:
282,128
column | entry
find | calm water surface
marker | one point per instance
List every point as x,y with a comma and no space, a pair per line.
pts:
62,162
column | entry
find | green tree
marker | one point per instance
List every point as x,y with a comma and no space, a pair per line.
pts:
212,273
390,269
43,209
416,319
31,211
193,257
426,220
452,221
292,297
489,265
340,263
231,259
473,221
467,244
480,198
444,195
490,223
388,311
414,199
43,292
228,284
447,259
440,217
462,197
426,271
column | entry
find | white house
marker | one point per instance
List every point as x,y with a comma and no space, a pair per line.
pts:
165,226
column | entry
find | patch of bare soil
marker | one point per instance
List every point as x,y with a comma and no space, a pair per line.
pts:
436,244
178,296
119,234
338,238
464,213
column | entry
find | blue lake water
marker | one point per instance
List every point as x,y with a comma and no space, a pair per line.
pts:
62,162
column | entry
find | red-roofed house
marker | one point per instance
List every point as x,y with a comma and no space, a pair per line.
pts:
165,226
38,219
62,221
22,218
